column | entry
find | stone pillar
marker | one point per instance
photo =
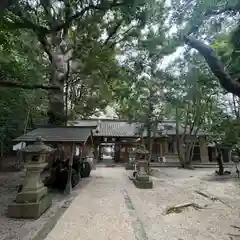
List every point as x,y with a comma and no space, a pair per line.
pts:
203,150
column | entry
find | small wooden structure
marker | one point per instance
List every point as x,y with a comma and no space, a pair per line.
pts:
61,138
68,142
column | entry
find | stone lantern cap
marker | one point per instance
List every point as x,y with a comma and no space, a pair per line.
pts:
141,150
38,147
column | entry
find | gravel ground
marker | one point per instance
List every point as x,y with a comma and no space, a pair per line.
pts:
112,208
176,186
99,212
21,229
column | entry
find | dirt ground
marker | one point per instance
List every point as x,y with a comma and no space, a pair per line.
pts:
217,220
111,207
220,219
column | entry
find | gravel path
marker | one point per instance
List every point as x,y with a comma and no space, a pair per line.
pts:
99,212
110,207
26,229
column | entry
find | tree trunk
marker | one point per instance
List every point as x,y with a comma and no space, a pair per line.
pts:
179,142
189,155
59,74
56,114
220,162
66,104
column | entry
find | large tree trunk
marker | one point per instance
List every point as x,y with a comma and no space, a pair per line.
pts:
55,47
59,64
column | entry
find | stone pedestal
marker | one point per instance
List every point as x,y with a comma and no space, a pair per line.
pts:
33,199
142,180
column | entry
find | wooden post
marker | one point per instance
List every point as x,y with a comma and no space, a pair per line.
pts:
68,188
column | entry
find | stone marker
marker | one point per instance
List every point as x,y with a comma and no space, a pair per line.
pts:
142,179
33,199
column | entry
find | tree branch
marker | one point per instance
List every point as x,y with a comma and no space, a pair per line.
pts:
83,11
47,9
113,31
72,18
26,86
215,65
209,13
19,19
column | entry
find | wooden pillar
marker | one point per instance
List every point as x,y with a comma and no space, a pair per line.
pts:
165,143
126,157
174,145
117,153
203,150
161,149
100,153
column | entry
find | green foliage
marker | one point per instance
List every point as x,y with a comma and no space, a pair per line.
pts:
20,64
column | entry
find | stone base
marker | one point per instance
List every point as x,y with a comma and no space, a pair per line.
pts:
31,196
29,210
143,184
142,177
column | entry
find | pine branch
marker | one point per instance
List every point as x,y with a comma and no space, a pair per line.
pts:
215,65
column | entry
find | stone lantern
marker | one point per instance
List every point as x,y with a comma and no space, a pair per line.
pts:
142,179
33,199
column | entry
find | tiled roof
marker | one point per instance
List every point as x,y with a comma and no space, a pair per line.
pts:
58,134
117,129
123,128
